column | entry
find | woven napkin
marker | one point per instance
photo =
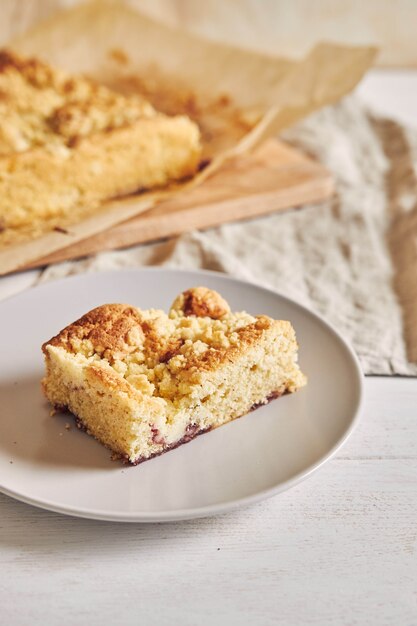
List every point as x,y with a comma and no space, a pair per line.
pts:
353,259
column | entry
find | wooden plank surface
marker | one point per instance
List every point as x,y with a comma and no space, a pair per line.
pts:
336,550
273,178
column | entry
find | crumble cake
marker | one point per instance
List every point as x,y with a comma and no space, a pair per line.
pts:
67,144
143,382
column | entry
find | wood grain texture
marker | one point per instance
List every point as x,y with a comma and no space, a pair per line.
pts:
273,178
338,549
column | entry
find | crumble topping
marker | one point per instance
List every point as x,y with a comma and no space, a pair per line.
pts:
40,105
201,301
160,354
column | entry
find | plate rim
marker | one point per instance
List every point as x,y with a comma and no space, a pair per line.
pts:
212,509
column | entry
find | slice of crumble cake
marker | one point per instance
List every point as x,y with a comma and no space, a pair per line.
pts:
143,382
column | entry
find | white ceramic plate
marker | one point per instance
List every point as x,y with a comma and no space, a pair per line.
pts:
255,457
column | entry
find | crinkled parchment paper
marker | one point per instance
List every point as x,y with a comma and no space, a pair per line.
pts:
238,97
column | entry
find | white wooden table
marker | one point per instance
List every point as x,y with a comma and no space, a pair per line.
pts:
339,549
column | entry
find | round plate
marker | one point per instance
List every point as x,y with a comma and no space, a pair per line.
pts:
49,463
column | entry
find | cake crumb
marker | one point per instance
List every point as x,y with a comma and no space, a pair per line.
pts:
68,426
59,229
119,55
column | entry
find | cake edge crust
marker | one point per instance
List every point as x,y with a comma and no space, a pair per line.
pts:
192,434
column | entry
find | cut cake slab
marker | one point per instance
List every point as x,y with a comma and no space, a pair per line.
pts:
143,381
67,144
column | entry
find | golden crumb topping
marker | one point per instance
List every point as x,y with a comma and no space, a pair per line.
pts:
202,302
162,354
42,105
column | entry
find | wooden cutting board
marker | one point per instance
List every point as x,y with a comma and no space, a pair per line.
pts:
273,178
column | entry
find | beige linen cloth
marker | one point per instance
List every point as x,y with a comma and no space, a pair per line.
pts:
353,259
